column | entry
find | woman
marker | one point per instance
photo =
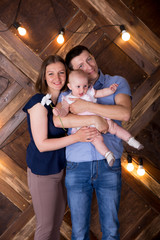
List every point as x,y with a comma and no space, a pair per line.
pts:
45,153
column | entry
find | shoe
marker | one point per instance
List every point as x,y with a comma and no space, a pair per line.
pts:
110,158
134,143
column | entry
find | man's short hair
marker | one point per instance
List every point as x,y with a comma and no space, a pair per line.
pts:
74,52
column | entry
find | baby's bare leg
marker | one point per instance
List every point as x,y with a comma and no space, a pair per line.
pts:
123,134
103,149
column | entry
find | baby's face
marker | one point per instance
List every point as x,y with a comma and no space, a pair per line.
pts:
78,84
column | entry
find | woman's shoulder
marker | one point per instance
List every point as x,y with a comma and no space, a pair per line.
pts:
37,98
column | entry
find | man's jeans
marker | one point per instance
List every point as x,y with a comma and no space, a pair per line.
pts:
81,179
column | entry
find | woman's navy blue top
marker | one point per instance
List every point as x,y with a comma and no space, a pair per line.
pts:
49,162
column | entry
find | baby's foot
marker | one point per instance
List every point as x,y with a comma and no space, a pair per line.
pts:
134,143
110,158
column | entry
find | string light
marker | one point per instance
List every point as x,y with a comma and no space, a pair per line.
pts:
130,165
125,34
21,30
140,170
60,38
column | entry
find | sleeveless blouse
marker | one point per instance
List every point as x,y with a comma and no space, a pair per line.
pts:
49,162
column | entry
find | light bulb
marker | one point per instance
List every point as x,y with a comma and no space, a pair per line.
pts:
130,165
140,170
22,31
125,35
60,38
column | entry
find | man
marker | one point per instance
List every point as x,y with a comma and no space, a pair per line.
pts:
86,168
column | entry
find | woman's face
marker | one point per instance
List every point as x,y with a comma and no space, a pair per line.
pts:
55,76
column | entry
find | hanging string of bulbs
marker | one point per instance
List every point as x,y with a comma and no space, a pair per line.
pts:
130,165
125,35
60,39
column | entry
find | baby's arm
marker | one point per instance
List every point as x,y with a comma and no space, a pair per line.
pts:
63,110
106,91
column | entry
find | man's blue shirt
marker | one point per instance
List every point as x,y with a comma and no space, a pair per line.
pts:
84,152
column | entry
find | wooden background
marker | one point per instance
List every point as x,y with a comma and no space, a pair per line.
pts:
137,60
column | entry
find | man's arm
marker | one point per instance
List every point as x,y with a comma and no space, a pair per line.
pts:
121,111
72,120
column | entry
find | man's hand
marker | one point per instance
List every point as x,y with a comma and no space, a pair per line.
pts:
78,106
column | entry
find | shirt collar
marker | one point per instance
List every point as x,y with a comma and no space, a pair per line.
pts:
100,82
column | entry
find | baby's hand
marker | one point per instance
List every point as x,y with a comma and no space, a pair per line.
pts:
60,112
113,87
55,111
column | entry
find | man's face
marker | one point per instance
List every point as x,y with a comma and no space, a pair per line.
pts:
86,62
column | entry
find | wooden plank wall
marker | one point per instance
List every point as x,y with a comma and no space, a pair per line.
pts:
138,61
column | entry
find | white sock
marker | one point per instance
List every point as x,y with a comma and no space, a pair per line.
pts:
110,158
134,143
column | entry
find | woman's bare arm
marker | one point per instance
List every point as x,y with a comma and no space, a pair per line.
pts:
39,128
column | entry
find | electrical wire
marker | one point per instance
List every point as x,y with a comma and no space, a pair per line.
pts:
66,29
15,18
104,26
111,41
55,14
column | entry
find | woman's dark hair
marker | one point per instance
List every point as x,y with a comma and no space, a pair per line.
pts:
74,52
41,84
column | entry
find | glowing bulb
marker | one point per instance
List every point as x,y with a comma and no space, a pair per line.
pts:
22,31
140,170
130,165
60,38
125,35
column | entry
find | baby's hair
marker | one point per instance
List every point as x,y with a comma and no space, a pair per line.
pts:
79,71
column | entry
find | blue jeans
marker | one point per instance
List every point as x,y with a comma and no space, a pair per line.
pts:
81,179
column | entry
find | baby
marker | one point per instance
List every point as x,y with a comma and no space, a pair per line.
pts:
78,84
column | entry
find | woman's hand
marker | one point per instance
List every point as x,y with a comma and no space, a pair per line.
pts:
86,134
100,123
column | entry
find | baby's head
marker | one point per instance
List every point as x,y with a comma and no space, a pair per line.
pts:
78,83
